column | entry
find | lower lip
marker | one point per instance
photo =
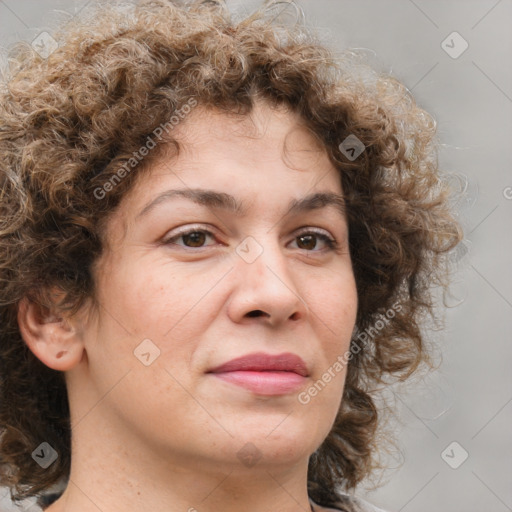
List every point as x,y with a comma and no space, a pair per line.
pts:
264,383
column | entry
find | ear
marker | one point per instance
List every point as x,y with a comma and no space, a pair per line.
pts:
51,337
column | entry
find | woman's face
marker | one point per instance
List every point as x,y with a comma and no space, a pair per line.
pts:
188,284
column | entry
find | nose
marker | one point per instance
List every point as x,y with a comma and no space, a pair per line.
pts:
265,288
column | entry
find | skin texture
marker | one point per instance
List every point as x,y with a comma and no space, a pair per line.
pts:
167,436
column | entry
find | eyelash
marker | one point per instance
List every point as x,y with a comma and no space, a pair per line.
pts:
331,243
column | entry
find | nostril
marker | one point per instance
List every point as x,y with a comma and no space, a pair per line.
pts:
256,312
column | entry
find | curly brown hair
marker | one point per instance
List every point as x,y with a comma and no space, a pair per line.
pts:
69,122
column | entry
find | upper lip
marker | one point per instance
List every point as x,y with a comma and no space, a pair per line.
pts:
261,361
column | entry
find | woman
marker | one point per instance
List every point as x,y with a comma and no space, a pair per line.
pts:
217,241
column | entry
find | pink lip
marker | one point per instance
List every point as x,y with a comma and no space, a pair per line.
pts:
264,374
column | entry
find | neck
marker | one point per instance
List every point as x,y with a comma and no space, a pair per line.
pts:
199,493
119,473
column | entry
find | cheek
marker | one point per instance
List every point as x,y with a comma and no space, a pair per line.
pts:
152,296
334,306
172,304
172,308
335,310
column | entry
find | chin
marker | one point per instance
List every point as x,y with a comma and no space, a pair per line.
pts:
276,443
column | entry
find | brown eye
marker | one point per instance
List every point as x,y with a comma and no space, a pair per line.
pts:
194,238
308,241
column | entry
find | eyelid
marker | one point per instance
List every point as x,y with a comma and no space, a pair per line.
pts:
311,229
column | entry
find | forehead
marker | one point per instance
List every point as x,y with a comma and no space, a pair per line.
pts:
232,152
267,132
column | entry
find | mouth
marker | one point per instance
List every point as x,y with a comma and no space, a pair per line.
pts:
264,374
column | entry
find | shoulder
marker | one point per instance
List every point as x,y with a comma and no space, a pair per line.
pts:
350,503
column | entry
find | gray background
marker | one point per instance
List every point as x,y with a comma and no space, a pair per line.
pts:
468,400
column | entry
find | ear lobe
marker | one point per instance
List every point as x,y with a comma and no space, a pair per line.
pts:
49,336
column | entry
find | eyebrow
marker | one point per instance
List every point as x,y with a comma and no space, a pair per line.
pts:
224,201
